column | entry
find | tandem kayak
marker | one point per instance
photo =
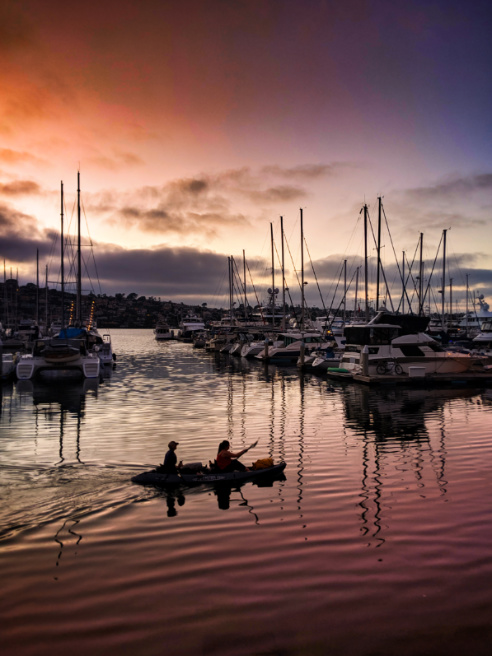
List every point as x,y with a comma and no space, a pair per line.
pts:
206,475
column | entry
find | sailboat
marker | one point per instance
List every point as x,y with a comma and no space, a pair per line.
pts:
65,356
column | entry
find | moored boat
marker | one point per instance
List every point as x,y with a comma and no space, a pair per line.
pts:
162,331
397,344
58,359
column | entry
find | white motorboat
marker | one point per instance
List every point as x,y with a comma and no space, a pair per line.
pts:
104,350
397,344
482,343
162,331
188,327
326,359
290,345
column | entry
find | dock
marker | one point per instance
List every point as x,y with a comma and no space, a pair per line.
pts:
468,378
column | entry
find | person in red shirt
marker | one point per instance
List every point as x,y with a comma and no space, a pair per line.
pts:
227,461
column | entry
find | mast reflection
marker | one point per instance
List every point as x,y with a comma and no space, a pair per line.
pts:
386,417
59,401
58,539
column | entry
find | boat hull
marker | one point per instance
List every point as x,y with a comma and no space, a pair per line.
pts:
156,478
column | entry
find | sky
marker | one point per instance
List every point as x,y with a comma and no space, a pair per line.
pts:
196,125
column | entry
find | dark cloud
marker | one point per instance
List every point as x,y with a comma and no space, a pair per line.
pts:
456,186
8,156
276,194
20,188
197,186
202,204
194,275
20,237
305,171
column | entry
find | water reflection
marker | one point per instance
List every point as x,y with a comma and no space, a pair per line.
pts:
396,413
173,497
68,397
56,402
223,492
397,417
62,541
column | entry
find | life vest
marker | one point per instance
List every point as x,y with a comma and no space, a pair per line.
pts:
223,461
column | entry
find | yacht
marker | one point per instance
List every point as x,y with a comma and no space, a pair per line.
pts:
162,331
398,344
482,343
188,327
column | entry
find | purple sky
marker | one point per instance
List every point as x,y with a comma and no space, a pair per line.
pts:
197,124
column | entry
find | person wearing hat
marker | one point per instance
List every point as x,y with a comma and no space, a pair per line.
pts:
169,465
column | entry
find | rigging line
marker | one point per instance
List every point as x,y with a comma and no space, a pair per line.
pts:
432,294
92,249
391,241
293,264
344,298
65,213
354,231
242,285
235,286
380,263
298,281
336,288
287,289
256,295
405,283
430,277
315,276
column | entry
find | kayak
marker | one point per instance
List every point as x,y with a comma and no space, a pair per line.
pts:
205,475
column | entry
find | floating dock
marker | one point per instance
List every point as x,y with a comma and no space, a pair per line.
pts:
469,378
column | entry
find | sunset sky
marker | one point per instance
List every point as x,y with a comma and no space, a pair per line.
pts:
195,124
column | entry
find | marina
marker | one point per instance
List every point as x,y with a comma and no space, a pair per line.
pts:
375,539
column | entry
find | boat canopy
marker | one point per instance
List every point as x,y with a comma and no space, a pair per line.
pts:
71,333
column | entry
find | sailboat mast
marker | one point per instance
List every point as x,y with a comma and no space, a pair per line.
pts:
78,309
302,272
37,287
421,276
231,309
403,282
46,295
344,291
356,314
283,273
366,282
443,278
379,252
450,299
62,246
273,277
244,278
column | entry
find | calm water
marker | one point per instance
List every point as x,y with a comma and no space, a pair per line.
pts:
378,540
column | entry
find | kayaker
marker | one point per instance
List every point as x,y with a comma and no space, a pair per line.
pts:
227,461
170,465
